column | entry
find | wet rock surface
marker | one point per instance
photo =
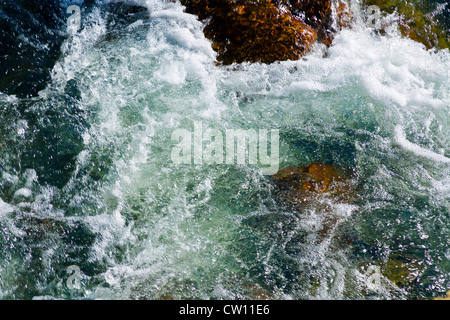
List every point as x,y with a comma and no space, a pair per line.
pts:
30,37
247,31
264,31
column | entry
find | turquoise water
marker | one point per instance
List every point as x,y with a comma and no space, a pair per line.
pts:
88,179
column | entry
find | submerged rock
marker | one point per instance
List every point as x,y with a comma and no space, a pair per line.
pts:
301,185
255,292
37,227
402,270
315,187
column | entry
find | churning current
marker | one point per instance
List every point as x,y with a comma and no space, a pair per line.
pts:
106,193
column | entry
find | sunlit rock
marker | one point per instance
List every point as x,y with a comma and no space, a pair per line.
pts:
249,31
447,297
326,17
343,15
268,31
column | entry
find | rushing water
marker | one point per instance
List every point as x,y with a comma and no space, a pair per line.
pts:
87,177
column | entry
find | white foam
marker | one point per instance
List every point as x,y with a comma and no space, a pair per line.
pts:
400,138
188,40
382,92
23,192
5,208
174,73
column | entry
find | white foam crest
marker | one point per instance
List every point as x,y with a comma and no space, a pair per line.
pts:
193,56
400,138
443,186
393,70
74,49
112,231
5,208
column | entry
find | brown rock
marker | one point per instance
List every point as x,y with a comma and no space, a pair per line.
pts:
305,187
250,31
268,30
344,15
300,185
343,20
313,12
256,292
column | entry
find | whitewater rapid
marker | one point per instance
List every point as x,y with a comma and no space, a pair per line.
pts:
145,227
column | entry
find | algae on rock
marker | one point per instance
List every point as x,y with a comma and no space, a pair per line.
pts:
415,22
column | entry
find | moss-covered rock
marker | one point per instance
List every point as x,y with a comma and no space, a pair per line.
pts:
415,22
401,270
